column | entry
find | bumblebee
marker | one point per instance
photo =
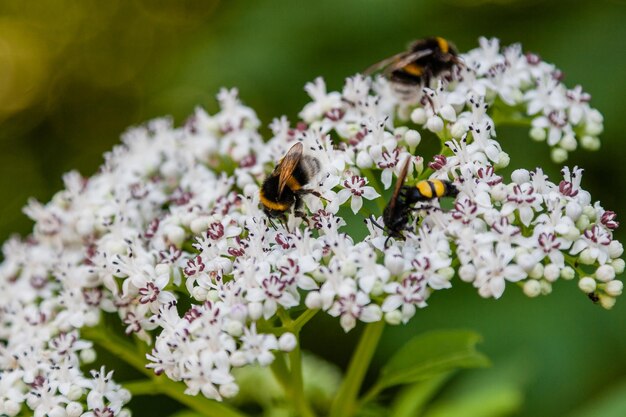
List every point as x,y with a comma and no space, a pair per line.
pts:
423,60
283,188
397,212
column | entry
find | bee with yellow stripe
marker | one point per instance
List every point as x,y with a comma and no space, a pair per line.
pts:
397,212
283,188
425,59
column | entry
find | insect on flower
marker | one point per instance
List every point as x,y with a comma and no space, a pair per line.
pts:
397,212
283,188
425,58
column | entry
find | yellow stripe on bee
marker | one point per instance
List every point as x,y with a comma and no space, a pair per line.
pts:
414,69
443,45
272,205
424,188
293,184
440,187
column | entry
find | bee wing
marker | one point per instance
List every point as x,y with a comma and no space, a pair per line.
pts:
288,164
397,61
399,183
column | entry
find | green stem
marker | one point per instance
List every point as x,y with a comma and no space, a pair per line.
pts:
143,387
125,351
302,319
345,400
300,400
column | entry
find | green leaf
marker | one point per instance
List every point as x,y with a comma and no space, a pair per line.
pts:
431,354
411,400
186,413
485,401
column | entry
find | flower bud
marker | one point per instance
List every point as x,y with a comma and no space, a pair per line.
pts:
551,272
348,268
255,310
199,293
88,355
412,138
74,393
199,224
175,234
124,412
212,295
568,142
586,257
618,265
558,155
84,225
446,273
520,176
418,116
503,160
583,222
313,300
238,359
434,124
229,390
536,272
614,288
73,409
467,273
56,411
91,318
590,212
615,249
591,143
378,287
394,262
606,301
116,247
573,210
458,129
546,287
498,192
393,317
448,113
587,285
532,288
400,131
572,233
233,328
568,273
364,160
538,134
605,273
526,261
287,342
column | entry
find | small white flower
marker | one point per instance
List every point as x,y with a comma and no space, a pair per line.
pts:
356,188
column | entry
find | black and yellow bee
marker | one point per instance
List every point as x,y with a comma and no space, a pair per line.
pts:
397,212
424,59
283,188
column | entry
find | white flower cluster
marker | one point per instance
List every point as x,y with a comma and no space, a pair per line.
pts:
170,235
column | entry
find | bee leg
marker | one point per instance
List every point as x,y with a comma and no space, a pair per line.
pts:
427,208
303,191
297,210
375,223
271,223
303,216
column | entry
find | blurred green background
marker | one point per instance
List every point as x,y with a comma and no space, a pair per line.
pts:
75,74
